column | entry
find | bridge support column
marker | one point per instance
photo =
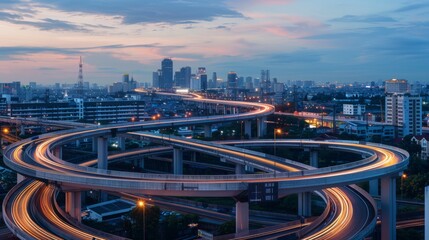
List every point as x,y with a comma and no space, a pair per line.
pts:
19,178
373,187
94,144
177,161
304,204
241,217
102,160
58,152
208,130
427,212
388,208
262,126
102,153
314,156
121,143
248,128
239,169
21,130
74,204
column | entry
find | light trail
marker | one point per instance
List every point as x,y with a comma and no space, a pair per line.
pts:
41,163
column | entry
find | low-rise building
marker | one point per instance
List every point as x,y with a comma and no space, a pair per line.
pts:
369,132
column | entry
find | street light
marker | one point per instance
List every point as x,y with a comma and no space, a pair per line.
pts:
142,205
404,176
276,131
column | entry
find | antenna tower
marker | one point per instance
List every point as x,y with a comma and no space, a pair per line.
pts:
80,79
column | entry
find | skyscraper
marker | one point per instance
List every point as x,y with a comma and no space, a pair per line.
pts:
166,80
265,81
182,78
202,75
231,85
405,112
214,78
155,78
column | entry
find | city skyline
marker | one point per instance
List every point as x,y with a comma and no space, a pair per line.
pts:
323,41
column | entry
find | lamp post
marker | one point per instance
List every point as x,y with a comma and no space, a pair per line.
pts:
142,205
404,176
276,131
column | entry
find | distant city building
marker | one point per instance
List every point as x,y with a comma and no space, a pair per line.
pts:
202,76
231,85
126,85
405,112
182,78
249,83
166,80
195,83
215,82
396,86
265,81
155,78
353,109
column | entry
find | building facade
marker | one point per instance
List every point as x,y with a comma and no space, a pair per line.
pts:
353,109
405,112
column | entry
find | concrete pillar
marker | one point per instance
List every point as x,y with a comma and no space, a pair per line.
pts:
74,204
22,130
102,152
427,213
58,152
177,161
239,169
193,156
373,187
19,178
388,208
208,130
314,162
94,144
121,143
241,217
224,110
234,110
304,204
248,128
262,126
77,143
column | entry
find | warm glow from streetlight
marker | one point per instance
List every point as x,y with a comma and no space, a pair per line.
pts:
6,130
404,175
140,203
279,131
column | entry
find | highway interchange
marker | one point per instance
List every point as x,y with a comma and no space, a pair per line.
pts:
350,212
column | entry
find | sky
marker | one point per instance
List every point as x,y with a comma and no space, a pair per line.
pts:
320,40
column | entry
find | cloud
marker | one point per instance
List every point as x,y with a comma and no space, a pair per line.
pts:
160,11
48,69
364,19
412,7
5,16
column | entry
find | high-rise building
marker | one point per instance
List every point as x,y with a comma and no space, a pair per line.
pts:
265,81
249,83
155,78
166,80
231,85
396,86
202,76
214,78
126,78
405,112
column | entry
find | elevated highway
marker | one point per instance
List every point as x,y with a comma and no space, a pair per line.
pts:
39,159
